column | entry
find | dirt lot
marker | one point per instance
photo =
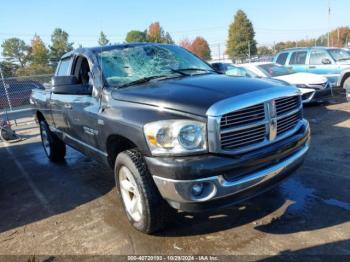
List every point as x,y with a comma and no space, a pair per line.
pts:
71,208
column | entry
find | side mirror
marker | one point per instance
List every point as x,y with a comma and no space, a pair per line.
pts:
69,85
64,80
326,61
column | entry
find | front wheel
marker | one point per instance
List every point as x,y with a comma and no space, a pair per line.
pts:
146,210
346,86
54,148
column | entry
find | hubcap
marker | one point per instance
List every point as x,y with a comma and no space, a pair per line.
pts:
45,140
130,194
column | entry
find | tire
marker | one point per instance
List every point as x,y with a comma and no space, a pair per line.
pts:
152,209
54,148
346,86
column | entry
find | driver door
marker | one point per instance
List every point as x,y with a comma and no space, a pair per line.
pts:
82,110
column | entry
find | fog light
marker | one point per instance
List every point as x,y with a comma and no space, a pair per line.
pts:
197,189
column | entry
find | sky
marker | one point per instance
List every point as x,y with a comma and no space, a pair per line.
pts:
273,20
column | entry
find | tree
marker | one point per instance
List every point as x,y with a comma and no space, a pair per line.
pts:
156,34
198,46
59,45
15,50
241,42
186,43
8,69
264,50
201,48
39,53
103,39
136,36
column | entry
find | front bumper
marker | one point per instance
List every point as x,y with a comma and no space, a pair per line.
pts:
222,188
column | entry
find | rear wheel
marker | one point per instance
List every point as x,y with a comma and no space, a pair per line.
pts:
54,148
146,210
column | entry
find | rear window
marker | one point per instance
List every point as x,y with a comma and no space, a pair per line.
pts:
282,58
298,58
64,67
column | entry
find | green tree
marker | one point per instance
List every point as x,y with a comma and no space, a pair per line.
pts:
39,53
136,36
241,36
15,50
264,50
103,39
59,45
8,69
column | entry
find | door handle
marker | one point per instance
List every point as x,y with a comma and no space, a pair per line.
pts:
312,67
67,106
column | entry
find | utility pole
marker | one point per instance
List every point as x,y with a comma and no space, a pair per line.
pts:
329,21
249,50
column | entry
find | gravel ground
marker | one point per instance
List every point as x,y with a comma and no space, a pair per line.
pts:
72,209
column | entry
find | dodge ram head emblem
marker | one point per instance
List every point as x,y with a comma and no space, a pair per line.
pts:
272,116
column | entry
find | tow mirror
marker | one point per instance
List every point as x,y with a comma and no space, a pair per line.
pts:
69,85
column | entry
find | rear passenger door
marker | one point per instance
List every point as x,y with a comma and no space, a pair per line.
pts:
57,102
297,61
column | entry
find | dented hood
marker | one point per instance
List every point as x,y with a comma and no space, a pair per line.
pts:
192,94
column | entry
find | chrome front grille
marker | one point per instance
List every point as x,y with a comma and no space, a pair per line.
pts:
244,116
287,104
260,124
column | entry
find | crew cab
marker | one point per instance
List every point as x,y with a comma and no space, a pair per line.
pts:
177,134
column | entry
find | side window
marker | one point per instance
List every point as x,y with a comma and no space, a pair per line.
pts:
298,58
317,56
64,67
282,58
81,70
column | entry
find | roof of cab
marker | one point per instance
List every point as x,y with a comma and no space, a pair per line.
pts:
306,48
108,47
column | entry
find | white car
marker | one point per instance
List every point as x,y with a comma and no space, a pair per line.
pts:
312,86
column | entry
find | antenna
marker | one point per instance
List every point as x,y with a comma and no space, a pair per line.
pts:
329,22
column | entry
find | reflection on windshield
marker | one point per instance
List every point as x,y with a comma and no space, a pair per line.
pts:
339,54
273,70
124,65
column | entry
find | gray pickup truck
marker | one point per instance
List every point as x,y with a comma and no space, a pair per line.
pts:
178,134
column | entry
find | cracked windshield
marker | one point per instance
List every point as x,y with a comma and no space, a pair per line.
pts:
122,66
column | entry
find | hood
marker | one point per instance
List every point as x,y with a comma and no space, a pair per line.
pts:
303,78
192,94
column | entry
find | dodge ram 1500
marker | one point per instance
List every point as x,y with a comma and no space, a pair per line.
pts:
177,134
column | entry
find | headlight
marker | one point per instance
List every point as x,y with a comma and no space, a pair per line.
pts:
176,137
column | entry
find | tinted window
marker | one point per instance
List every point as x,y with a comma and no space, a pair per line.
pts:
64,67
317,56
298,58
282,58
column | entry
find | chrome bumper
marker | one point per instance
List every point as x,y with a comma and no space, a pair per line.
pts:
216,187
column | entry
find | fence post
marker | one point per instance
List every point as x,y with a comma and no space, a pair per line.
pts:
5,89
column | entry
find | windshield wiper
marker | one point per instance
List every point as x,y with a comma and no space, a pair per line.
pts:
180,70
142,80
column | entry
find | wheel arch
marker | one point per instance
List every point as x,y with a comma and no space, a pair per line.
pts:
116,144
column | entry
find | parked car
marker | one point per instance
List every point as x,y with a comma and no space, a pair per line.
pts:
16,93
333,63
314,88
177,134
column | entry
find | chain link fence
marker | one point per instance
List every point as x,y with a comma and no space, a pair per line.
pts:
15,95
